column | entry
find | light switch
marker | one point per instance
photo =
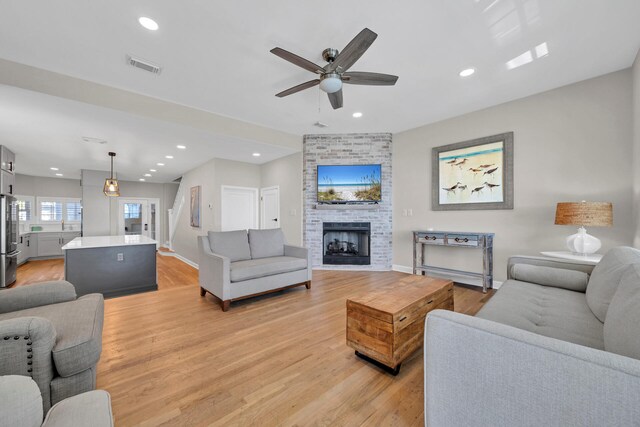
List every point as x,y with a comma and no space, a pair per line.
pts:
410,211
404,212
120,257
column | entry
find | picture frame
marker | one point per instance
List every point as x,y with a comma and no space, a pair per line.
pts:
473,175
195,207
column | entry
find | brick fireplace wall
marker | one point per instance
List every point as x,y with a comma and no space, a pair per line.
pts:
348,149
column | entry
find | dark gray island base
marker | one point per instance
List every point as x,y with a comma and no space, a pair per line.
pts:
111,265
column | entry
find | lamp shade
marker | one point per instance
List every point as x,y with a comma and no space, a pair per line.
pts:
598,214
111,188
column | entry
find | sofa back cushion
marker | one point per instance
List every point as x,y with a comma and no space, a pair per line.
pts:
266,243
232,244
621,334
606,277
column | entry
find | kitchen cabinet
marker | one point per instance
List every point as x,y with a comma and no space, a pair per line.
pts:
50,244
8,183
7,160
26,245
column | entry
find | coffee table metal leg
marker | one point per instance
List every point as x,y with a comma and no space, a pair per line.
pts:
393,371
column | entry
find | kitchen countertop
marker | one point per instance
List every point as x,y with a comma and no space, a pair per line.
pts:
107,241
22,233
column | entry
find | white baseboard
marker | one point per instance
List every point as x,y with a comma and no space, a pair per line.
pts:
457,279
186,261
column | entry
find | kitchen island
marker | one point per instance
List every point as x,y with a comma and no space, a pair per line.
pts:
111,265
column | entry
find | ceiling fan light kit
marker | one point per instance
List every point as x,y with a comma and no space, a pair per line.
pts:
335,73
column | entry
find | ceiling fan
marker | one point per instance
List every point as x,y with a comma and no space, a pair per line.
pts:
332,75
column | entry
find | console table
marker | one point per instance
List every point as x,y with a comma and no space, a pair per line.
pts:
483,241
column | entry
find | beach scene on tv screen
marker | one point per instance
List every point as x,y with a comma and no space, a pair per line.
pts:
353,183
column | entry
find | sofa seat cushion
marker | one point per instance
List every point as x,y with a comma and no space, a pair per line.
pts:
552,312
232,244
78,326
255,268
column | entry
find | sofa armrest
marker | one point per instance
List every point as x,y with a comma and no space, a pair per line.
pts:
548,262
214,270
483,373
299,252
45,293
92,408
25,349
21,403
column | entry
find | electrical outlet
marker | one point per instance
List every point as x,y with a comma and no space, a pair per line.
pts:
120,257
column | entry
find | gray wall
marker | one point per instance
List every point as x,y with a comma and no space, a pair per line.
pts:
27,185
286,173
571,143
636,149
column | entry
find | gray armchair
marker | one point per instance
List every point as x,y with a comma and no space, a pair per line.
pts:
49,335
21,405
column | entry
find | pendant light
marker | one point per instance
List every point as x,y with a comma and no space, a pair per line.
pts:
111,188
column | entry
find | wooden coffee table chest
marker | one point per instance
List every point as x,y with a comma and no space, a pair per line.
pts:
386,325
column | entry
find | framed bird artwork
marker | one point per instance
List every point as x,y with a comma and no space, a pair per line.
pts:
473,175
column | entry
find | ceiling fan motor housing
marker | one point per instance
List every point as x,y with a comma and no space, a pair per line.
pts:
330,54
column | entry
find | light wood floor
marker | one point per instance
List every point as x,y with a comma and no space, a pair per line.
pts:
173,358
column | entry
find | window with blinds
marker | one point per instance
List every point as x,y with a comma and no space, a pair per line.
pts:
56,209
25,208
132,210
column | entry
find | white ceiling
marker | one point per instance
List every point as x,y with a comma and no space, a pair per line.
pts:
215,57
46,131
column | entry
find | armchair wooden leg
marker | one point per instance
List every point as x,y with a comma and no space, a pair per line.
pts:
308,284
225,304
202,291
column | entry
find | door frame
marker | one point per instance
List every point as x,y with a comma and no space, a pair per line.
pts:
148,201
263,220
256,201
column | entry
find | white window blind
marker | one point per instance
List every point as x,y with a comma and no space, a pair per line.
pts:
25,208
56,209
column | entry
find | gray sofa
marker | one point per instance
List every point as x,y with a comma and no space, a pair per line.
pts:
235,265
557,345
48,334
21,405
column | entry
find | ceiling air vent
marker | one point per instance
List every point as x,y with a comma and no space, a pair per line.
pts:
143,64
320,124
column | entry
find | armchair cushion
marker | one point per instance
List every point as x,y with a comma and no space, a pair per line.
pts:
606,277
78,326
231,244
21,403
45,293
87,409
550,276
254,268
266,243
623,317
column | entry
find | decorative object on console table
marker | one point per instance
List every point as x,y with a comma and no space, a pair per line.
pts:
482,241
386,325
473,175
195,206
597,214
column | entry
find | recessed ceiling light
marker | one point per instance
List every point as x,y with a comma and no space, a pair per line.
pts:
148,23
59,174
256,154
182,147
141,179
467,72
147,174
54,169
152,170
160,164
357,114
168,157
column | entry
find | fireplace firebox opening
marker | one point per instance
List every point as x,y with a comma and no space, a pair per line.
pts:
346,243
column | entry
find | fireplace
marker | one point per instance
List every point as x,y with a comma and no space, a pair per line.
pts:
346,243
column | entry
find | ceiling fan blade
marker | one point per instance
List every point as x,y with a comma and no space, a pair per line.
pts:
297,60
353,51
298,88
336,99
364,78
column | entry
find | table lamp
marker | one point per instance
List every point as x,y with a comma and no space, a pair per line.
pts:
598,214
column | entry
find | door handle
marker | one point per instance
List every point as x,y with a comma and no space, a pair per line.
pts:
146,227
275,219
13,254
11,166
10,188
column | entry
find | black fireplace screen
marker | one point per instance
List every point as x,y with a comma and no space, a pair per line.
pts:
346,243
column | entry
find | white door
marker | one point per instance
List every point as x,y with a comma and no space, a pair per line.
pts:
139,216
270,207
239,207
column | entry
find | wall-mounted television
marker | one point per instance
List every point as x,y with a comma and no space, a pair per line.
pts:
349,183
